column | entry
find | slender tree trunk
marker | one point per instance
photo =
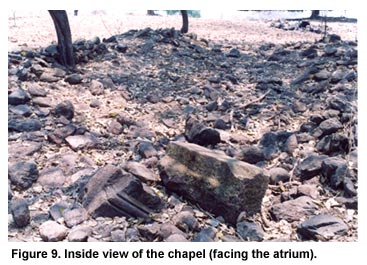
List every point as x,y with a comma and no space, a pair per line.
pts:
64,42
150,13
315,14
185,21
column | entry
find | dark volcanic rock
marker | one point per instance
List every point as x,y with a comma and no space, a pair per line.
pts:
335,169
22,174
23,73
234,53
333,144
59,134
278,174
220,184
328,126
310,52
186,221
330,50
65,109
10,194
24,125
340,103
18,97
212,106
350,203
310,166
250,231
149,231
146,149
349,187
198,133
305,76
220,124
121,47
74,79
20,212
252,154
323,226
272,143
293,210
322,75
337,76
57,210
21,110
205,235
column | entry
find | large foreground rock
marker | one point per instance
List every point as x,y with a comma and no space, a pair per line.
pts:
113,192
218,183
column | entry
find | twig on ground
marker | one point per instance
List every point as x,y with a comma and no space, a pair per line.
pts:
255,100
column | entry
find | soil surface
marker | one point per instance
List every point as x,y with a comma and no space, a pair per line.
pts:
38,30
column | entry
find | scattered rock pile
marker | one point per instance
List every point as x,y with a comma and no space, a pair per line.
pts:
159,136
303,25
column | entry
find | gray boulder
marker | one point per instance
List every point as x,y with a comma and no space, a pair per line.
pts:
20,212
22,174
250,231
218,183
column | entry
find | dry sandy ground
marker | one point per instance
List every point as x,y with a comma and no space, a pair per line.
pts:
37,30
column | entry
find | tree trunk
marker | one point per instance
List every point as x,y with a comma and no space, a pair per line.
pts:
65,45
151,13
315,14
185,21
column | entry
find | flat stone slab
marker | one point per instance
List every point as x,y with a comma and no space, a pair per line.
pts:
78,142
322,226
294,210
218,183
